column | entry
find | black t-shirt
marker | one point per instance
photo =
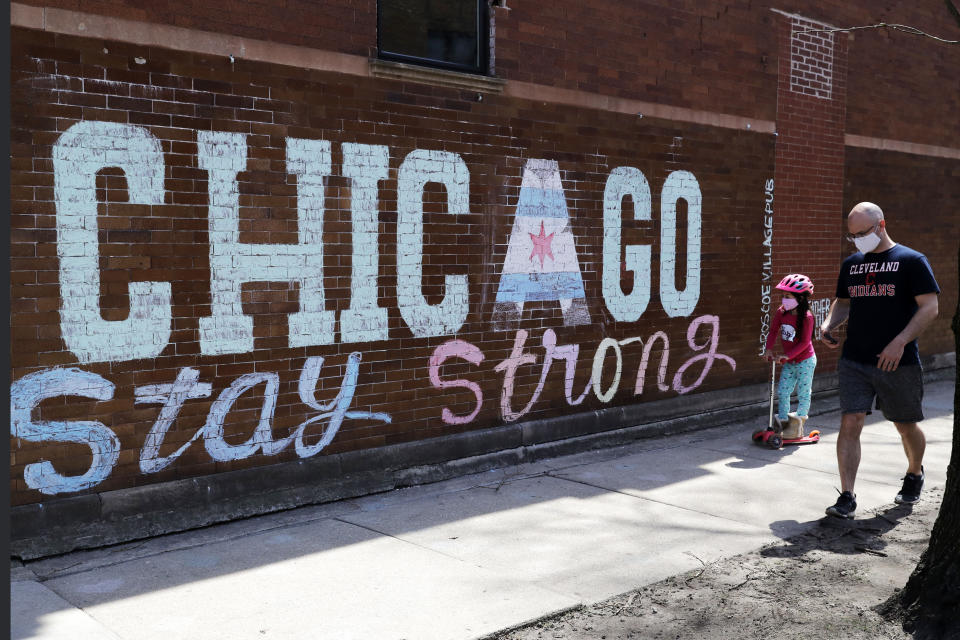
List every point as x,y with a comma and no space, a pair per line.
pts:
882,289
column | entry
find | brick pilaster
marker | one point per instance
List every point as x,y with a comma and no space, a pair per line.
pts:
811,99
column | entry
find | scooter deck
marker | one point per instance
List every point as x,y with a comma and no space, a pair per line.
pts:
811,438
772,439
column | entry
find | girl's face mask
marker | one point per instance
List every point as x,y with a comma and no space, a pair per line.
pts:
789,303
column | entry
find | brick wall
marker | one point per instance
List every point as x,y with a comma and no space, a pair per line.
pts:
899,83
684,53
220,264
704,54
88,235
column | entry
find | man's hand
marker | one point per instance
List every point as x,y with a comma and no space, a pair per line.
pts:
838,314
889,358
827,338
927,309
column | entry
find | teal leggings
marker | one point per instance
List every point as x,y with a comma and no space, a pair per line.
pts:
797,375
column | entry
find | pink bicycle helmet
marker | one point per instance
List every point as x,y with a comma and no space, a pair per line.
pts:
796,283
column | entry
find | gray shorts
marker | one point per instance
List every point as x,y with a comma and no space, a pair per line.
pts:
899,393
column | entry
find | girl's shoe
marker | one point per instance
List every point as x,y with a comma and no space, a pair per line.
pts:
778,424
794,428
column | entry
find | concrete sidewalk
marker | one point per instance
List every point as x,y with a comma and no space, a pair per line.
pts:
468,557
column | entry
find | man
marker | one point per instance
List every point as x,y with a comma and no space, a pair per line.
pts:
887,294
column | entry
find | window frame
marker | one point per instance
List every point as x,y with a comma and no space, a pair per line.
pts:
483,46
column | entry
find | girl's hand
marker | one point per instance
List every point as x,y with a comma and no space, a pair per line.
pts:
781,359
767,355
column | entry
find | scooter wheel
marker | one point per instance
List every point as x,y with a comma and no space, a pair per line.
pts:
774,442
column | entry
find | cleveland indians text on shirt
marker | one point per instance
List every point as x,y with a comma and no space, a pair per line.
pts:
870,288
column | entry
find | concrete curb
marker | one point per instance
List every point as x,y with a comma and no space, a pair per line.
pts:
111,517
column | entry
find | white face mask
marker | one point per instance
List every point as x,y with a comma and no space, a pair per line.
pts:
789,303
867,243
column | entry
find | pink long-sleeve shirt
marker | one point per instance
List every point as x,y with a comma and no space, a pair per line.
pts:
796,348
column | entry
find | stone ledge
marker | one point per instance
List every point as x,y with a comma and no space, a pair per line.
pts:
429,75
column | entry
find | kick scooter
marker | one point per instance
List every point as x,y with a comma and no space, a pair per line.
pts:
791,434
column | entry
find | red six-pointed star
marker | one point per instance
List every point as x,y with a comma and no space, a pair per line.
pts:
541,244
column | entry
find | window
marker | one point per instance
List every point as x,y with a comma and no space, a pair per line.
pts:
449,34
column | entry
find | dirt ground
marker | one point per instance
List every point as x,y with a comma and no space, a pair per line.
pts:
823,584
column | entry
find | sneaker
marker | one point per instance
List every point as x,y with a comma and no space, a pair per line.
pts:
910,493
845,506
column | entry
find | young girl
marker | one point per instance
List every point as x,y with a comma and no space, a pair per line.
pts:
794,322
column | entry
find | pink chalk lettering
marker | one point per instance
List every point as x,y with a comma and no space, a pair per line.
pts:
569,353
662,371
509,366
707,357
470,353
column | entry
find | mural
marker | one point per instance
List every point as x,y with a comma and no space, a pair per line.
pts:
82,151
540,264
541,261
27,393
519,357
819,308
766,284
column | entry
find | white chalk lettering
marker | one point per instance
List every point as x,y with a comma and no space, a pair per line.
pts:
366,165
767,266
420,167
83,150
28,392
233,263
679,185
625,181
172,397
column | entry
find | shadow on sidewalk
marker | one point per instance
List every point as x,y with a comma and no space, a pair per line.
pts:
836,535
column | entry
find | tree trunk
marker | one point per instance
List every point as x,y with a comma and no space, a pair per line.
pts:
929,605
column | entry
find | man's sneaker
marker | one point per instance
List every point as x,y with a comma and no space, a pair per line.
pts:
845,506
912,485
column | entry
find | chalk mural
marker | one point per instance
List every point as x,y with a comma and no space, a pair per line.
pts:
82,151
419,168
625,181
233,263
540,264
819,308
520,357
679,185
766,285
366,166
29,391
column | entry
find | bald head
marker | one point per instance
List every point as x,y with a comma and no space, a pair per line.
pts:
865,213
866,217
